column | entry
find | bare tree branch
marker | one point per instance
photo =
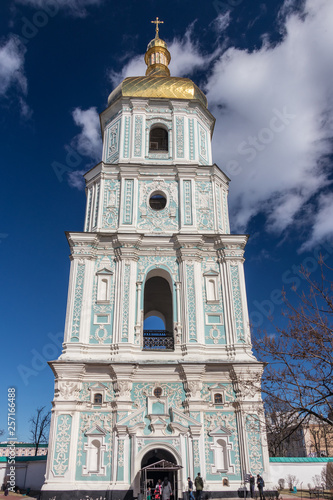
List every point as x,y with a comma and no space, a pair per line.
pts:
39,428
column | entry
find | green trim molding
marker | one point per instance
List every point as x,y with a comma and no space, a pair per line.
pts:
300,459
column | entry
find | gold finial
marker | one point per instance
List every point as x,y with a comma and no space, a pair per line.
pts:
157,22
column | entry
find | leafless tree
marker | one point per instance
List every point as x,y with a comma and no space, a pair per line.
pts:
327,476
284,437
299,357
39,428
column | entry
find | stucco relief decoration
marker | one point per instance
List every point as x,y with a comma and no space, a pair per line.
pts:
219,207
98,189
100,335
191,137
108,263
196,453
203,153
227,420
225,211
79,283
87,421
111,204
126,136
85,393
124,334
237,303
102,332
128,205
89,200
194,388
113,141
180,136
121,453
187,203
210,264
68,390
254,444
158,221
124,388
228,390
191,302
61,452
138,135
215,334
149,261
204,203
174,392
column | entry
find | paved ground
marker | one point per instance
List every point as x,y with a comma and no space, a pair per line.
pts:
11,495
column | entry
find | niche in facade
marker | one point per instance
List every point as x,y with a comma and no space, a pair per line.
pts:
104,285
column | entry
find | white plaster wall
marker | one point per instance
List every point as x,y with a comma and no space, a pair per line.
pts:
28,474
304,471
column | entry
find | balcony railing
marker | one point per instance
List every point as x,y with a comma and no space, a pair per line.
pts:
158,340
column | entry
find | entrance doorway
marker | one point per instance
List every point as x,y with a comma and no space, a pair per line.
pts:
156,465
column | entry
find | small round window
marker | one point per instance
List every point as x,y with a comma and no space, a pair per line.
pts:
157,201
158,392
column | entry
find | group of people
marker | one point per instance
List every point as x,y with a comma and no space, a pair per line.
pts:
260,485
163,491
198,483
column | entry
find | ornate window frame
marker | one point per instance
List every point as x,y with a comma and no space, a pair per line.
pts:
103,276
95,433
212,297
221,445
162,123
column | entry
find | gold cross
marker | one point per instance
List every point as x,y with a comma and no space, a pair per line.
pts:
157,22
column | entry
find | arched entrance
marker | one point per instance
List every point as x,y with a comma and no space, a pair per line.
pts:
156,465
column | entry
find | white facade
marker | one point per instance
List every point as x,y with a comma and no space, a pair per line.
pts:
156,243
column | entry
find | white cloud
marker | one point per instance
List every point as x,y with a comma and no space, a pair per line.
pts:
76,179
88,142
12,66
322,224
274,110
12,75
77,8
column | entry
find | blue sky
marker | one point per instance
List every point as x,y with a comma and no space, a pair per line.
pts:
267,72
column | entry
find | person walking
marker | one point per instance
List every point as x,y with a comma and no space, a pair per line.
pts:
190,489
251,481
198,486
166,489
260,484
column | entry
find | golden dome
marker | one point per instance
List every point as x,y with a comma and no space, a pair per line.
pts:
158,83
166,87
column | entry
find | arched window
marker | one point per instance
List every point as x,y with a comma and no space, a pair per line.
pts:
158,139
158,314
218,400
98,399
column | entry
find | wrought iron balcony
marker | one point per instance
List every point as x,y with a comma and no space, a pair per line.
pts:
158,340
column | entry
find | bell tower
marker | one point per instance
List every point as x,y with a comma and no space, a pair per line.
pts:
157,363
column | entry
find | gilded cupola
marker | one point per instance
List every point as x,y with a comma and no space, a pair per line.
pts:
158,83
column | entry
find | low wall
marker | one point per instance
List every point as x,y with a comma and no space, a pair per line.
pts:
303,468
29,472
